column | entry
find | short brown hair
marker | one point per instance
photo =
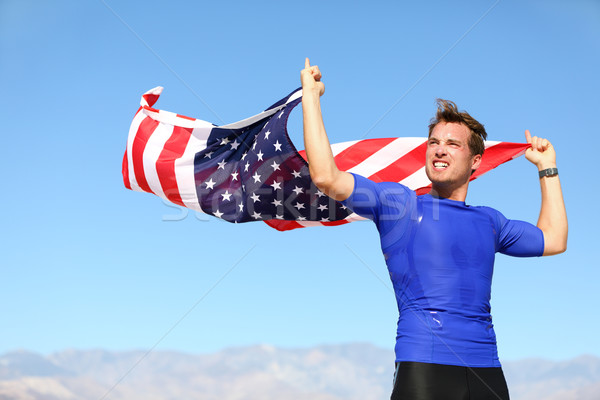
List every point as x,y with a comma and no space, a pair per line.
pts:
448,112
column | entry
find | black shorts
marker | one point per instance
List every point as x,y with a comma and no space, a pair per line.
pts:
423,381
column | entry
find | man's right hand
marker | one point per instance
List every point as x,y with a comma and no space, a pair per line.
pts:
311,79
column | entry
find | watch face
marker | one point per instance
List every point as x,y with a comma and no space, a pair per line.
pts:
548,172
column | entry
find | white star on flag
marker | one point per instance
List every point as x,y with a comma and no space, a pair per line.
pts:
226,195
276,185
210,184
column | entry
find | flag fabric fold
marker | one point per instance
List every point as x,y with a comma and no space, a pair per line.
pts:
250,170
240,172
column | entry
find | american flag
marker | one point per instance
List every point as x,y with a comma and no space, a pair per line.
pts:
251,171
240,172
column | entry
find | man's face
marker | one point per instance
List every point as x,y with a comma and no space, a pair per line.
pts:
448,158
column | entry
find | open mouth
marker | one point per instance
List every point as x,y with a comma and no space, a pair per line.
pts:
440,165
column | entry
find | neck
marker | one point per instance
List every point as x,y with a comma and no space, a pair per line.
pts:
458,194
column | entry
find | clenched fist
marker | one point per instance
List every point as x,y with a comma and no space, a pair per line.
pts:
311,80
541,153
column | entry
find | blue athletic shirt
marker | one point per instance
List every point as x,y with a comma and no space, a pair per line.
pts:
440,256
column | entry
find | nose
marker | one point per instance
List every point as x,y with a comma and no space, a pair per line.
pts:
440,149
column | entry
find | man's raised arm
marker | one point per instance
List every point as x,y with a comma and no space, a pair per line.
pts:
553,215
321,164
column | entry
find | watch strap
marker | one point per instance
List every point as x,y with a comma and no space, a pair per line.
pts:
548,172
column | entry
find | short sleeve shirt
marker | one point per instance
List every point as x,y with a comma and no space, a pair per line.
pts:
440,256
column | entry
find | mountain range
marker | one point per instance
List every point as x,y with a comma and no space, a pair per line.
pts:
329,372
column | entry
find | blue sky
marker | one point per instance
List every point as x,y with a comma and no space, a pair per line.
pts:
86,263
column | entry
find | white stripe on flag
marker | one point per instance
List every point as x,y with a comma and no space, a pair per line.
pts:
135,125
350,218
156,91
249,121
294,96
184,166
490,143
355,217
337,148
387,155
167,117
152,151
416,180
307,224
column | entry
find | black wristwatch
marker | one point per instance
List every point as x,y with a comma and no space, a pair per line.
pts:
548,172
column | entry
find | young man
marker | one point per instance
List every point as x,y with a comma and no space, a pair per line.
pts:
439,251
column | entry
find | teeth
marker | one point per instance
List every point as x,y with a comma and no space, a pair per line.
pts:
440,164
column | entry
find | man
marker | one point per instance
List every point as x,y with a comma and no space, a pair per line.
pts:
440,251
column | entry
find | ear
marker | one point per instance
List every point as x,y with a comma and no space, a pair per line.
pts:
476,162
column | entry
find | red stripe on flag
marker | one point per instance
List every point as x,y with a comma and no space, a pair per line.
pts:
499,154
154,110
303,155
165,165
150,98
335,223
359,152
184,117
423,190
142,135
403,167
125,168
125,171
282,225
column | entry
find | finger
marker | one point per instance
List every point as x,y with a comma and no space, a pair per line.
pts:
528,136
545,144
540,144
307,63
316,73
535,142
